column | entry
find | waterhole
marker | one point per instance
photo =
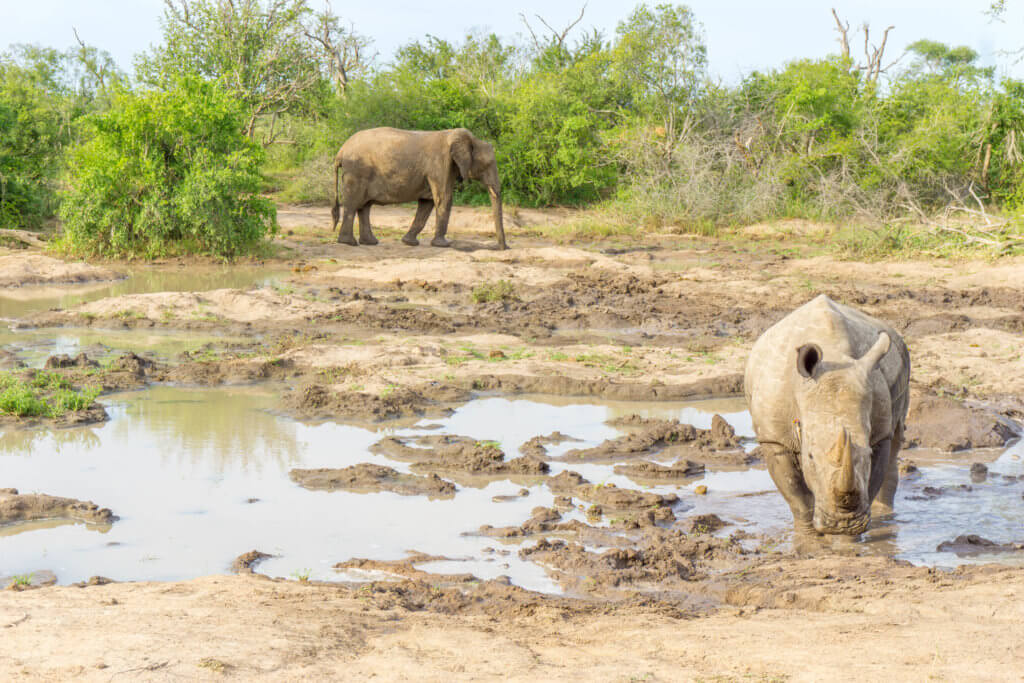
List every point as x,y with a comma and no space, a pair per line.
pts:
200,476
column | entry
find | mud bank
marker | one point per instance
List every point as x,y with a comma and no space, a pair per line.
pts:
29,507
31,269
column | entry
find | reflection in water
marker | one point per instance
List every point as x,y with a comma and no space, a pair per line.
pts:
200,476
27,440
215,427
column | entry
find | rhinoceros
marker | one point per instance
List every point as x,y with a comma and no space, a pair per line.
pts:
827,388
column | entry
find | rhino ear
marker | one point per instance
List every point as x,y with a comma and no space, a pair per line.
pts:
808,358
869,360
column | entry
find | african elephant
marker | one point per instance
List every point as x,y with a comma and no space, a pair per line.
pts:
390,166
827,388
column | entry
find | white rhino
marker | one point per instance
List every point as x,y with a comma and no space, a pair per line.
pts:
827,388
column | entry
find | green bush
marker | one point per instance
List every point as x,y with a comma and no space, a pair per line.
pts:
167,172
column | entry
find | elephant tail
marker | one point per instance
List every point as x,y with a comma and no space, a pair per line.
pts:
336,210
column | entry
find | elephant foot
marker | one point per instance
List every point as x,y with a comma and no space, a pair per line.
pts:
440,242
410,240
350,241
369,241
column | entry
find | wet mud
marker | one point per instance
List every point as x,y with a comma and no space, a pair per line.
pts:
369,478
432,399
946,424
667,439
469,460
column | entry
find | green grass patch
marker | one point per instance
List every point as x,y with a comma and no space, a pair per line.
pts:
501,290
42,394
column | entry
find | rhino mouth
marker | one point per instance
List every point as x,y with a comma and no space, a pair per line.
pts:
850,525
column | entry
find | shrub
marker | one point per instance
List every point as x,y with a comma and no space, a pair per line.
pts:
167,172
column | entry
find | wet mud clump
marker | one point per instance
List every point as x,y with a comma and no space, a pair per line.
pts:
369,478
125,372
662,560
406,568
15,507
972,544
944,424
245,562
651,473
537,446
458,455
610,500
432,399
667,438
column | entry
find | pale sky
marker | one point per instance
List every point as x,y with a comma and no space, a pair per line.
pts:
741,36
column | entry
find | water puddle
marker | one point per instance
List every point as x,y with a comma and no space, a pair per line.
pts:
19,302
200,476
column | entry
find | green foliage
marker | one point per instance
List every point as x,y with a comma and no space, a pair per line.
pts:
42,394
43,96
167,172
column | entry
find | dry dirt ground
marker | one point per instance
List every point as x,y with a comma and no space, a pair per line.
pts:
375,333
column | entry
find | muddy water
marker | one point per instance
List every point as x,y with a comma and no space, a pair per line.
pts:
200,476
19,302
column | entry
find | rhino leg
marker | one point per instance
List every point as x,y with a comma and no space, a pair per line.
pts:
886,495
783,466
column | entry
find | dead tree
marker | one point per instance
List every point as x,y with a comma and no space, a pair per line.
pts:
872,66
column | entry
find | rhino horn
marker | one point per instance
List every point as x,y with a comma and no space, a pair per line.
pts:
844,484
869,360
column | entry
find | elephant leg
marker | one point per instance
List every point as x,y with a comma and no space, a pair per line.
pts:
442,213
785,472
365,230
423,210
345,233
883,504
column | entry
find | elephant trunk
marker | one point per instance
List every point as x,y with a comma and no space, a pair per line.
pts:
499,226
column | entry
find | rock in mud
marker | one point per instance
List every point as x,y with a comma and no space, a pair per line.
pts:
15,507
369,478
718,444
458,455
944,424
316,401
979,472
972,544
245,562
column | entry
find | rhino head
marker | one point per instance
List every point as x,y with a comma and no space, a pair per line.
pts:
839,401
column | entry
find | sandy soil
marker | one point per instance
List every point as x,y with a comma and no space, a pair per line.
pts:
803,620
381,333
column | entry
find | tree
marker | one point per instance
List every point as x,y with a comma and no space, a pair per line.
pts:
661,52
257,50
344,50
167,171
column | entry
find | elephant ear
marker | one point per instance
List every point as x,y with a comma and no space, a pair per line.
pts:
462,152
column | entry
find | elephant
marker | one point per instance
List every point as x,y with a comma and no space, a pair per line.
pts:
828,391
390,166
